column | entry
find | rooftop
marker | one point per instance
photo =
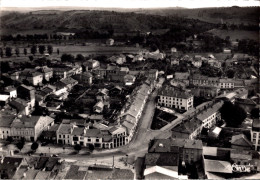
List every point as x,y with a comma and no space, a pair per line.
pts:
75,173
171,92
217,166
161,159
93,133
165,145
64,128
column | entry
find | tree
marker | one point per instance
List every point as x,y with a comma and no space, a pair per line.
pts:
17,51
255,113
50,49
33,49
67,58
230,73
25,51
80,57
8,51
10,139
77,147
34,146
31,58
20,145
42,49
232,114
91,147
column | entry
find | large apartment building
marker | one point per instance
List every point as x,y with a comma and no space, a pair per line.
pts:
175,98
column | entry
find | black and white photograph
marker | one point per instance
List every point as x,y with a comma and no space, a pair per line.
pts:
129,89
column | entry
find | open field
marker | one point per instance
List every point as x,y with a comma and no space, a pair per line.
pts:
236,34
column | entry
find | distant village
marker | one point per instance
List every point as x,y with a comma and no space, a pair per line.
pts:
209,102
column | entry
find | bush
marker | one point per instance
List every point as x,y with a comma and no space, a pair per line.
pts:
91,147
77,147
34,146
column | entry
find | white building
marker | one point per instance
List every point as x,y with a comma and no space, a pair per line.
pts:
175,98
255,134
209,116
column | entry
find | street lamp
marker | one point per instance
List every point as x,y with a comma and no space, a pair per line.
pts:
126,158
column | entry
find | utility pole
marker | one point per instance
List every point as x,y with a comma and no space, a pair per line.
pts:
113,162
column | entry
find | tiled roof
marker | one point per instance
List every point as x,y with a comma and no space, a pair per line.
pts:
217,166
64,129
171,92
10,165
188,127
6,120
69,81
93,133
78,131
122,174
165,145
240,140
75,173
30,121
256,123
209,111
240,154
161,159
43,175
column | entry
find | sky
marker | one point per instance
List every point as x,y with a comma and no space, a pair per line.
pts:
128,3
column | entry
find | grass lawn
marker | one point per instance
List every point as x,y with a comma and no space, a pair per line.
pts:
158,123
236,34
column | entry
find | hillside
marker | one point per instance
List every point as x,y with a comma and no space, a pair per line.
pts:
80,20
236,15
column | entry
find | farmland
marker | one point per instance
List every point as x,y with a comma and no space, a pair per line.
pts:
236,34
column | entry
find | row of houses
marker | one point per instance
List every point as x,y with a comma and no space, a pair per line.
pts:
202,81
36,76
206,117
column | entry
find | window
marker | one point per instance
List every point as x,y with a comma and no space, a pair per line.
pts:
97,140
89,140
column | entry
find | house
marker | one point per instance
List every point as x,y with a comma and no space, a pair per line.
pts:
30,127
22,106
129,79
33,77
84,78
99,106
4,99
197,63
246,104
187,129
11,91
153,74
5,125
189,150
64,133
119,136
200,80
92,64
226,83
47,72
255,134
182,76
210,115
207,92
94,137
69,82
61,88
240,142
110,42
161,166
9,166
174,98
77,135
61,72
50,134
26,93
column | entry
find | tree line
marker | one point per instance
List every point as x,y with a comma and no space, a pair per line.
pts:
8,51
